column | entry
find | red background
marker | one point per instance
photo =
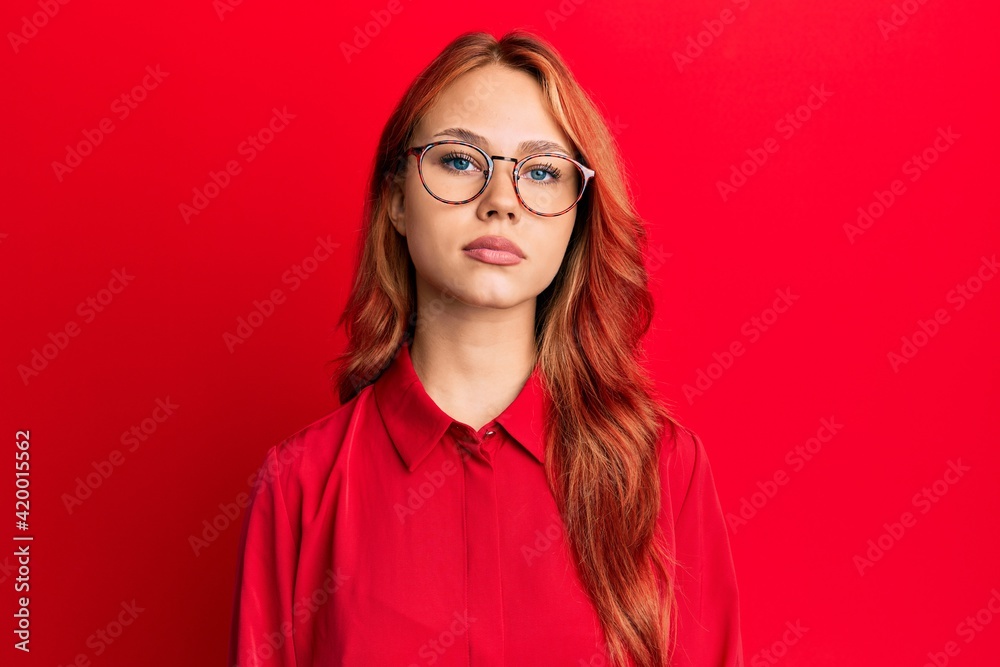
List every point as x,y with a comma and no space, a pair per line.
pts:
717,264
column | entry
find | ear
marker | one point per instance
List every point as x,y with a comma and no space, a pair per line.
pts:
397,205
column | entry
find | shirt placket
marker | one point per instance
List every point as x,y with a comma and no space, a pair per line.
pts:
482,521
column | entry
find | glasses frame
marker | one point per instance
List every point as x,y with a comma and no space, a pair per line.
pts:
421,151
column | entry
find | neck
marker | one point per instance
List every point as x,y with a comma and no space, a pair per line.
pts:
473,362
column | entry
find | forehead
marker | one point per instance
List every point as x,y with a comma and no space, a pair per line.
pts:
503,106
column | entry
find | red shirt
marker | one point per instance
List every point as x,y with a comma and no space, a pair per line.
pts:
389,534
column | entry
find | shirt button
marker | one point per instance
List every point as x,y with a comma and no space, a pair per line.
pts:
489,433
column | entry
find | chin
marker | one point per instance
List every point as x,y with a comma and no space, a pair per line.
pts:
492,298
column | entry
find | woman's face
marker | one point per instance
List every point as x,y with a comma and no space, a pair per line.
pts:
506,108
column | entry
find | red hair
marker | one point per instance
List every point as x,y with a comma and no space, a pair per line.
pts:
605,427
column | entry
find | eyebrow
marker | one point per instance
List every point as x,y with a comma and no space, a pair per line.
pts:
531,146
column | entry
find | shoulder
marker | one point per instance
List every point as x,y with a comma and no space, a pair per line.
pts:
683,463
310,453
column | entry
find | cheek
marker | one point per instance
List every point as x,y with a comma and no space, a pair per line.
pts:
424,245
433,248
550,249
559,235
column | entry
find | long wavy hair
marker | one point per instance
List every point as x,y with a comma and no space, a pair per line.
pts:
605,427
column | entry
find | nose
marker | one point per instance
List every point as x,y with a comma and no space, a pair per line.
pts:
500,195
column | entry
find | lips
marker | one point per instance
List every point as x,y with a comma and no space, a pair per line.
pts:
495,243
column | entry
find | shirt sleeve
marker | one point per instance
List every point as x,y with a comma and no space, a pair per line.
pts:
708,621
261,629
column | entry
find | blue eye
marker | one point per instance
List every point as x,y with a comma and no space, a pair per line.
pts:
458,161
538,173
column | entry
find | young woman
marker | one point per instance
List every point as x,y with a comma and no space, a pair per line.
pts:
499,486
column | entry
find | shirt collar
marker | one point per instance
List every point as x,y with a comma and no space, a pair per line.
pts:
415,423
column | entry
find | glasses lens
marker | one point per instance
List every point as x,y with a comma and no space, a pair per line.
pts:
454,172
549,184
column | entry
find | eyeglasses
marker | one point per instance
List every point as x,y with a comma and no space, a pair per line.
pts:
456,172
